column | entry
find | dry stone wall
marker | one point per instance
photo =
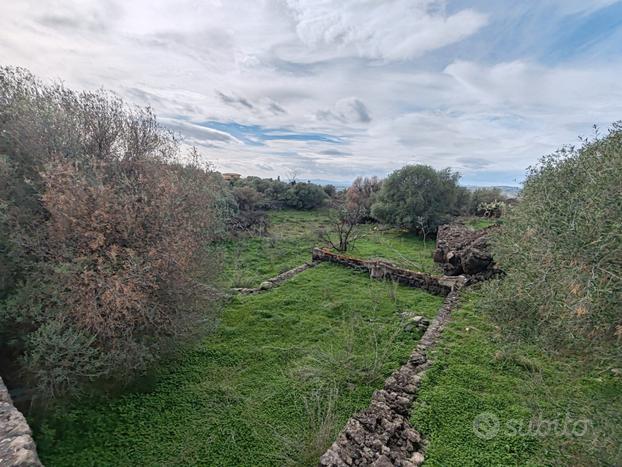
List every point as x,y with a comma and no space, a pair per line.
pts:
461,250
381,435
378,269
276,280
17,448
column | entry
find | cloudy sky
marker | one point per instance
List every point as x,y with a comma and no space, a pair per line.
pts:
335,89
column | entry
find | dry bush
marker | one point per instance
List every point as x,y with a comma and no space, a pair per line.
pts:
108,236
361,195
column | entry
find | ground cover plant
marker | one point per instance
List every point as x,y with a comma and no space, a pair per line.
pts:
551,409
251,259
273,386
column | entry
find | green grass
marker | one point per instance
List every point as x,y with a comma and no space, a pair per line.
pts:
476,372
292,235
397,246
273,386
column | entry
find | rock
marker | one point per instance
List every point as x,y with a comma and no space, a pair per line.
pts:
461,250
382,461
417,458
266,285
416,322
17,448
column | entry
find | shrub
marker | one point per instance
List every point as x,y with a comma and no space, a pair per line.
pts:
249,217
330,190
106,234
561,248
484,196
361,195
305,196
419,198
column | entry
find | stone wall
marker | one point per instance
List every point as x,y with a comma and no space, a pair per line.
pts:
381,435
461,250
17,449
378,269
274,281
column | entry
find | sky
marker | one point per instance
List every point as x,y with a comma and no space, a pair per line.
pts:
335,89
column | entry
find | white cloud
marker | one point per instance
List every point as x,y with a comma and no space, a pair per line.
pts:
365,71
390,30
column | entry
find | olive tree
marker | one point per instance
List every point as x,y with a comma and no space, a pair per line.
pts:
419,198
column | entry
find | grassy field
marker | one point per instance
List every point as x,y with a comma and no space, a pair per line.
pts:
275,383
293,234
552,410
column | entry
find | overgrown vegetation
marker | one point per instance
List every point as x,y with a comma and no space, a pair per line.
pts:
104,237
551,409
273,386
561,248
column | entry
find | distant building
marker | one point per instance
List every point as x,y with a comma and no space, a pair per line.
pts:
230,177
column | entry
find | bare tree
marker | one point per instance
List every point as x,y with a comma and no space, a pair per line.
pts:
292,176
343,230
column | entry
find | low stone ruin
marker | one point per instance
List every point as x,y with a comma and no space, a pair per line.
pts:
379,269
381,435
275,281
463,251
413,321
17,449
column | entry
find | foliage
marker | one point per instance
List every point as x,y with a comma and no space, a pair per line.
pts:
483,196
330,190
360,196
273,386
528,389
492,209
305,196
561,248
271,192
249,217
419,198
106,236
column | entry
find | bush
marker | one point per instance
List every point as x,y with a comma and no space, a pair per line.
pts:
484,196
105,234
419,198
249,217
305,196
561,248
360,196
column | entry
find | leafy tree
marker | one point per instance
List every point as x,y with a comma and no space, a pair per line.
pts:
419,198
305,196
330,190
